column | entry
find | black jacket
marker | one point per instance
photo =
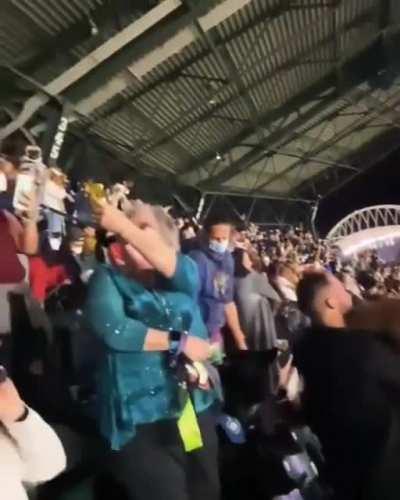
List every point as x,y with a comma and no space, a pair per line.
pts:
351,401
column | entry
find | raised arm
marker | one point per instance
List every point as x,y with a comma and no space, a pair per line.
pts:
27,236
147,241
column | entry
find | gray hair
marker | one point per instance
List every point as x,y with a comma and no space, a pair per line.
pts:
168,229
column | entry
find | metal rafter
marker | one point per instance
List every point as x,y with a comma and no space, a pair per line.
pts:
159,46
67,40
279,136
338,150
255,194
295,102
180,120
320,148
372,102
321,161
271,13
224,58
250,158
374,152
82,68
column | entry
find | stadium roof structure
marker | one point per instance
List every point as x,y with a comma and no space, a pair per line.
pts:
282,100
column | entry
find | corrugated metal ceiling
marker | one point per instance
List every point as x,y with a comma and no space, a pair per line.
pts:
190,107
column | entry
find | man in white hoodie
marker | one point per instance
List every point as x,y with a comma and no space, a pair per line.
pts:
30,451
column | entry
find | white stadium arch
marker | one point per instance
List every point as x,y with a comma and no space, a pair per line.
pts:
366,218
369,228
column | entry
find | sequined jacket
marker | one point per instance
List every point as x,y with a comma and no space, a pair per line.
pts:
137,387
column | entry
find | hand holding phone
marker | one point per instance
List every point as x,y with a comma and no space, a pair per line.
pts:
24,186
28,206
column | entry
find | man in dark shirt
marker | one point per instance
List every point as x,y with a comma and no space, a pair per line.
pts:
352,394
216,270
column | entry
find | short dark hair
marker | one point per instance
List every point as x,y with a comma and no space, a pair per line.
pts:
216,220
13,148
307,290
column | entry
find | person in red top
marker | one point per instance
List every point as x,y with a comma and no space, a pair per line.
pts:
25,235
16,237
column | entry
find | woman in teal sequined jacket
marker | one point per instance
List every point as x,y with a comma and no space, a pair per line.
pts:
132,310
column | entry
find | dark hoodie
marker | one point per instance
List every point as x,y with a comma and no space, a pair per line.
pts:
351,401
216,282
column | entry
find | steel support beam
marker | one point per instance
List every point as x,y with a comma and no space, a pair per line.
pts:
256,195
378,109
310,141
27,133
307,95
224,59
392,114
67,40
159,52
301,156
253,156
181,123
90,62
271,13
320,148
375,151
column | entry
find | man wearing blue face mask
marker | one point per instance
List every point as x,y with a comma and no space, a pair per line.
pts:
216,269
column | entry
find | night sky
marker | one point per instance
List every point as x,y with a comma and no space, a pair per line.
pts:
379,186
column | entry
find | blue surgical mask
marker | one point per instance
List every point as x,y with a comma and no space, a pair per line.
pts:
219,246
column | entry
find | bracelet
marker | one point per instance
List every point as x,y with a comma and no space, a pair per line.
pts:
177,341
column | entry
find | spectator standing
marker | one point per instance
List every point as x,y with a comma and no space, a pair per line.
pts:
141,311
352,387
216,269
253,295
15,238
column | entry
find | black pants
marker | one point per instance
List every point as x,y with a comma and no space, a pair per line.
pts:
154,466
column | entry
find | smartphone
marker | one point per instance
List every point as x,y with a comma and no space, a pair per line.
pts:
25,184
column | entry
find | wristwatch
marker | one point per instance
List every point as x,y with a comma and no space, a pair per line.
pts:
174,340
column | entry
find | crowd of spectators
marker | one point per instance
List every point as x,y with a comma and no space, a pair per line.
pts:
91,277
